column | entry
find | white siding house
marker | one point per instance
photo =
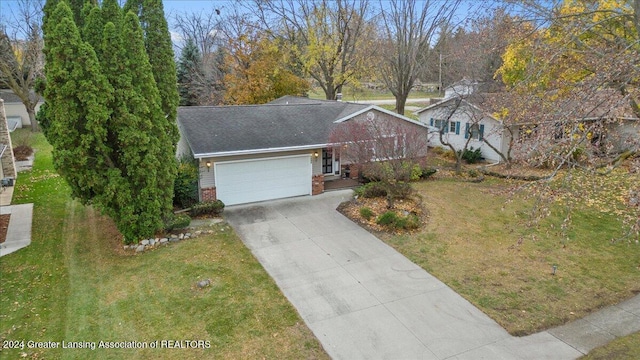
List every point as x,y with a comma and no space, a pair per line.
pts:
461,122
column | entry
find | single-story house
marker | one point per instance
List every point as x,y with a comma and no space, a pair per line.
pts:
7,163
251,153
16,113
458,120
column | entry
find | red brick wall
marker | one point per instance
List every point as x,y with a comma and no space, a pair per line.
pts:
208,194
317,184
355,171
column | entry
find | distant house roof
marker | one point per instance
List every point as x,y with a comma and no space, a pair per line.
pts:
601,104
287,123
483,102
10,97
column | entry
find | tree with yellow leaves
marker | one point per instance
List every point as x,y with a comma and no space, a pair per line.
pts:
326,38
257,68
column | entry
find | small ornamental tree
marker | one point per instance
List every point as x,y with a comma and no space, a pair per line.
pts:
387,150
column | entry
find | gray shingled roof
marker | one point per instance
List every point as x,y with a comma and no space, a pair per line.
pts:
286,122
10,97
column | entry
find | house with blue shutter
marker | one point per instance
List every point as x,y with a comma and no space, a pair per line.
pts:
464,123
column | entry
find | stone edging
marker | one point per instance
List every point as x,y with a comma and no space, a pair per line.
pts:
148,244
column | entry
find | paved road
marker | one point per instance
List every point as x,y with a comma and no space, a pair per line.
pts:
364,300
389,101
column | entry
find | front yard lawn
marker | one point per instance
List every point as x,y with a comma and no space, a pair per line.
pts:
486,249
74,283
624,348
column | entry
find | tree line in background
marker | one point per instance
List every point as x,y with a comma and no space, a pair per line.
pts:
261,50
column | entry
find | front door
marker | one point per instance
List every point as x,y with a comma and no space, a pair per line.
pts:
327,161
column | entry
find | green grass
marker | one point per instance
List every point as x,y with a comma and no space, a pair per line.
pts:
350,94
624,348
75,283
483,245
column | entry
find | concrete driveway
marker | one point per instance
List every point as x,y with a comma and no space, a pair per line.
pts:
364,300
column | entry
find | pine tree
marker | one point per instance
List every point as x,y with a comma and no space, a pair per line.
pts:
189,72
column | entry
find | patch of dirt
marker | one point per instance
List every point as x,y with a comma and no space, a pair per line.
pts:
4,225
22,152
351,209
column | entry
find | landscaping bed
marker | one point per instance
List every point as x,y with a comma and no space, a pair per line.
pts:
378,206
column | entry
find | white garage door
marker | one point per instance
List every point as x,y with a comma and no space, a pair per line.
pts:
239,182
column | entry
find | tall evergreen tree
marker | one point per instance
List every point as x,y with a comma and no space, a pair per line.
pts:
114,146
93,27
159,47
189,72
111,12
77,95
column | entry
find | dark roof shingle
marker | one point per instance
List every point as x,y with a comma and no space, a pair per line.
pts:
286,122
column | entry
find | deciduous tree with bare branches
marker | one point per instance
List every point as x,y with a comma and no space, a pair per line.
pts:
407,32
385,149
21,59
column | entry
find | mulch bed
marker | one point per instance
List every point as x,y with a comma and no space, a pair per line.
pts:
351,209
4,225
22,152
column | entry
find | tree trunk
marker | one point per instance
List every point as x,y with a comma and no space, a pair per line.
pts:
32,118
401,101
458,165
330,92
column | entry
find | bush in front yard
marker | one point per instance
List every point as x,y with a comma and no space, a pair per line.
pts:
207,208
471,156
392,220
22,152
427,172
185,185
389,219
371,190
366,213
177,222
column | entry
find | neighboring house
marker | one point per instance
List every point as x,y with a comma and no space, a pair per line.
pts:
261,152
463,114
16,113
461,88
7,163
458,120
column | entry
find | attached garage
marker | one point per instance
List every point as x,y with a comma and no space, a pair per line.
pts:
244,181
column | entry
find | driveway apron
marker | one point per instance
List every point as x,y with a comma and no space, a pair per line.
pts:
364,300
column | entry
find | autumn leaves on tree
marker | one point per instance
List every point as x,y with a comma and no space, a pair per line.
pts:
110,112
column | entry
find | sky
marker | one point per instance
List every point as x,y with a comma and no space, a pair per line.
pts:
171,7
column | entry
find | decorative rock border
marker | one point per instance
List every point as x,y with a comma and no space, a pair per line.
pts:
148,244
194,231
